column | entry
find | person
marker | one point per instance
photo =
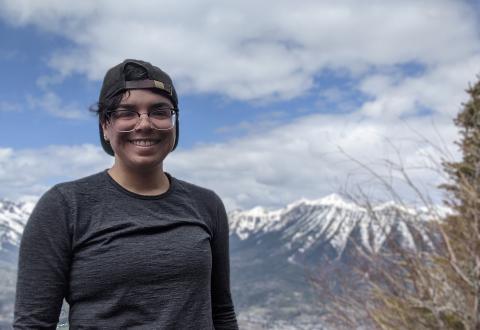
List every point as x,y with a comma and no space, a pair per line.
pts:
131,247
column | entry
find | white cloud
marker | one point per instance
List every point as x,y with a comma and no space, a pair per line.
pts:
303,158
270,168
441,89
270,50
33,171
52,103
265,50
252,50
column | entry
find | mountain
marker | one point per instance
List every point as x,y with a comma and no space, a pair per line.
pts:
13,217
274,253
331,222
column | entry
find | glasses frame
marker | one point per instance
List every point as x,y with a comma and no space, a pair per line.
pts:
173,111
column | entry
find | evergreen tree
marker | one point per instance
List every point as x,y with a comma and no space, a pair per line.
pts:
461,229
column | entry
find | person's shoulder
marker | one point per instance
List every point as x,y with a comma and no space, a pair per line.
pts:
87,184
61,195
195,190
87,181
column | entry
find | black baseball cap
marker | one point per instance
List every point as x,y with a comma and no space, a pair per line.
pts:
115,83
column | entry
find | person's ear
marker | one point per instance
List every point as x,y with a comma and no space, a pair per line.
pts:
104,131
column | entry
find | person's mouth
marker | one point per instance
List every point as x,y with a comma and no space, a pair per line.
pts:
144,143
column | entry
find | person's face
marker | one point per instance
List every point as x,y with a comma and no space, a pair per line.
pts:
143,148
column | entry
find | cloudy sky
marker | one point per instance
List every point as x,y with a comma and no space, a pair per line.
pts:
279,100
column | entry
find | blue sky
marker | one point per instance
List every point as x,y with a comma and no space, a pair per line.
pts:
276,99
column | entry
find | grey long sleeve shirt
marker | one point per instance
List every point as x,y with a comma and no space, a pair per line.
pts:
125,261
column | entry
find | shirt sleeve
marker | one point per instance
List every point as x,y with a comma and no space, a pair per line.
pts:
222,305
43,265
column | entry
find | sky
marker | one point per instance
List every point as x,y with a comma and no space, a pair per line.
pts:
279,100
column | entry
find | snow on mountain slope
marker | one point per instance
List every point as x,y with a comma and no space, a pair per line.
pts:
13,217
333,220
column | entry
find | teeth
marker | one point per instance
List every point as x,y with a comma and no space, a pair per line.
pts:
144,143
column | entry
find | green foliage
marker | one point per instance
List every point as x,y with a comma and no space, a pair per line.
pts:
462,228
465,173
452,321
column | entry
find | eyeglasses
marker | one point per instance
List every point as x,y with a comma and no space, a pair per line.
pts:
124,120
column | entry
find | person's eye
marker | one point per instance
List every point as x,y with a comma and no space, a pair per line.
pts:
124,114
161,113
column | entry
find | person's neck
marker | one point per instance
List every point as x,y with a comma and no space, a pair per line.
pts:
149,182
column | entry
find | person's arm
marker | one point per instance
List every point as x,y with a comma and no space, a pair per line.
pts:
43,264
222,305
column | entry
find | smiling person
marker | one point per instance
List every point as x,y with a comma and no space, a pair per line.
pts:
130,247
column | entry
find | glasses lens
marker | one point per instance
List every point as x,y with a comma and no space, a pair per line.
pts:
162,118
126,120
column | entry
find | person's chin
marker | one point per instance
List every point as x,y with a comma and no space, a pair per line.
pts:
144,164
148,159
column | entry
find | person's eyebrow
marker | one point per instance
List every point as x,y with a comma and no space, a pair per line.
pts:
161,104
127,105
153,105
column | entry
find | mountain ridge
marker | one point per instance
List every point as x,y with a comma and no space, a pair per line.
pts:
270,251
333,219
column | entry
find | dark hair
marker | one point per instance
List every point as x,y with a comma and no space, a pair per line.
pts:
101,109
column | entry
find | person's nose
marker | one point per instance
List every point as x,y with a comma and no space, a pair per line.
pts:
143,122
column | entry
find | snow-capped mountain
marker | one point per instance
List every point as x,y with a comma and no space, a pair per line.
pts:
305,225
13,217
272,250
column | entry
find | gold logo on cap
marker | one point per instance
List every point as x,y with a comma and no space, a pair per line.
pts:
161,85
